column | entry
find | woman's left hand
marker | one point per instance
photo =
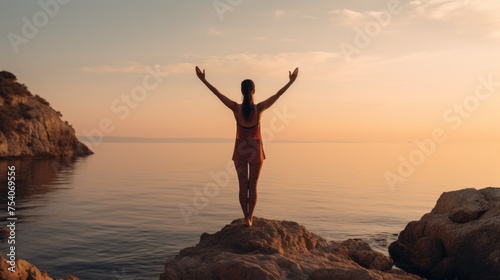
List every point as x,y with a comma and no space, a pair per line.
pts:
293,76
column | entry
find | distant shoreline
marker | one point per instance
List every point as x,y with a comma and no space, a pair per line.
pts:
119,139
126,139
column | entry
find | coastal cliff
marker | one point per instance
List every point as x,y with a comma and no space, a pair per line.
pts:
278,250
30,128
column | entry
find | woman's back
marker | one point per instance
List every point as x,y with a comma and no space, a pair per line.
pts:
248,143
252,121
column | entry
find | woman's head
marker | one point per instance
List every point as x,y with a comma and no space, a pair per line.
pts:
247,89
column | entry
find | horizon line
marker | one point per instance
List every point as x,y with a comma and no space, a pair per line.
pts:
134,139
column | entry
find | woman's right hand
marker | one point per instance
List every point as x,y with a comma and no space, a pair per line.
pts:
200,74
293,76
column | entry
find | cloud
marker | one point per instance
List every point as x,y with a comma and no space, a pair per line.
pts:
441,9
480,17
477,17
293,15
127,67
283,40
309,17
346,17
272,64
279,13
138,68
214,32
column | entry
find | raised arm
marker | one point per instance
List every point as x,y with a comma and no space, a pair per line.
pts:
228,102
270,101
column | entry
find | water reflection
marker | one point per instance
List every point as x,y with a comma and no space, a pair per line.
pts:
34,179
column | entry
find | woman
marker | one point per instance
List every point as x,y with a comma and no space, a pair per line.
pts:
248,153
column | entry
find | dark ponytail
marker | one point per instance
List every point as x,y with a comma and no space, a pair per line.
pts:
247,86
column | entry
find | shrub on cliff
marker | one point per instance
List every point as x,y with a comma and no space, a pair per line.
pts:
7,75
7,122
10,115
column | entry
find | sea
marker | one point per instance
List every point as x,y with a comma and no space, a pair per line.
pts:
124,211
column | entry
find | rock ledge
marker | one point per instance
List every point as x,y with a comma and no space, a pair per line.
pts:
278,250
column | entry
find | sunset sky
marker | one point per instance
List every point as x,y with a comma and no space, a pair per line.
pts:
369,70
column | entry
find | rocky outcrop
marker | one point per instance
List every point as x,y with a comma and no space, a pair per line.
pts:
459,238
278,250
29,127
24,271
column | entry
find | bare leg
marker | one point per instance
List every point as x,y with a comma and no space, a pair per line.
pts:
252,188
242,171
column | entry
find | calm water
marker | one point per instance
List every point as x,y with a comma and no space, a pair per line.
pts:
117,214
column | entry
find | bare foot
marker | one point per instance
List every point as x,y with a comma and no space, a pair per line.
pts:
248,223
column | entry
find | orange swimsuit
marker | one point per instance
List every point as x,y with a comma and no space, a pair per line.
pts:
248,146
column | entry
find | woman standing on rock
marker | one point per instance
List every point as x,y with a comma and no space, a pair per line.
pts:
248,152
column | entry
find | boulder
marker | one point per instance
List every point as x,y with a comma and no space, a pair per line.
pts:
459,238
273,249
24,271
